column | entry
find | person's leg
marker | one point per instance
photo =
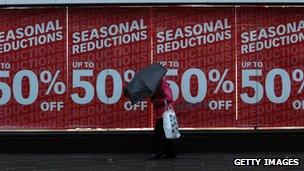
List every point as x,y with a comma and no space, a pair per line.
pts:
158,138
171,148
162,137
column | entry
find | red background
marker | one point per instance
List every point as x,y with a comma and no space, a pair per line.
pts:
288,57
95,114
50,57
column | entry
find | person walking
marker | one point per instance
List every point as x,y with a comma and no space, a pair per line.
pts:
151,82
163,147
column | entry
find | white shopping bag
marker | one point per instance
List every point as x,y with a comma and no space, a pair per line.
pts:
170,123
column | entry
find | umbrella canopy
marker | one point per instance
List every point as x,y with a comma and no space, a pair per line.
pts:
145,82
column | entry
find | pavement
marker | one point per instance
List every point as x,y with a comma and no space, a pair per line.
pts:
140,162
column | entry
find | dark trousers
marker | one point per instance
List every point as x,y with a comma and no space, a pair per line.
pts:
162,145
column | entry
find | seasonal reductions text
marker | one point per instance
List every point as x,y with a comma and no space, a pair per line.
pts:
193,35
30,35
109,36
272,37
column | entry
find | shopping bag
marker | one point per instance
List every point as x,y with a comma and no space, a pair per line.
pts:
170,123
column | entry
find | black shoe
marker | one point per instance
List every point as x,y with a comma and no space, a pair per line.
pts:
171,156
155,157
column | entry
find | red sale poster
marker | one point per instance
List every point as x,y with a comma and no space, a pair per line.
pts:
33,68
197,46
270,66
106,46
228,67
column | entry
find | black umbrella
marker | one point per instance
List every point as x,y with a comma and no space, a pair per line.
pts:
145,82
